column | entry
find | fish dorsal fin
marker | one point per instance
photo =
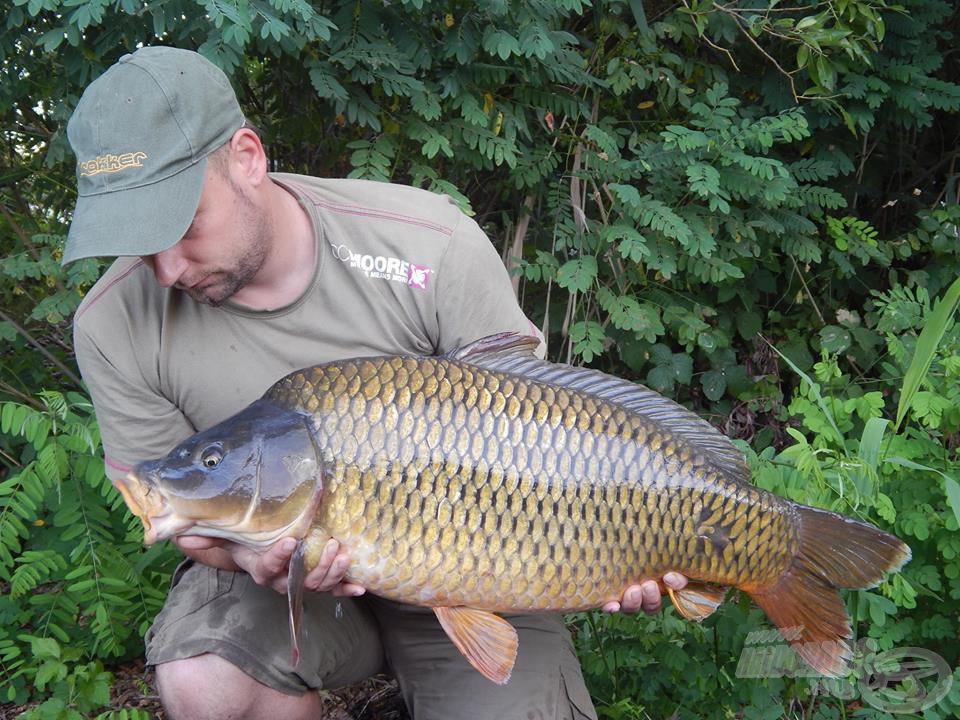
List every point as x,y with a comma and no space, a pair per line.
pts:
513,353
487,641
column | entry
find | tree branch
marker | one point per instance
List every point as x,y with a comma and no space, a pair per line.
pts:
41,349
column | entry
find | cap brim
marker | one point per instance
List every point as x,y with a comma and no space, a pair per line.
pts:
137,221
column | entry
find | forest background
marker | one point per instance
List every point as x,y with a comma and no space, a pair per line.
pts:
749,206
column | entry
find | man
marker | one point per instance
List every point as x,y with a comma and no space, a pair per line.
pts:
228,279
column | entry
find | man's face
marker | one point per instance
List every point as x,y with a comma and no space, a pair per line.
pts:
225,246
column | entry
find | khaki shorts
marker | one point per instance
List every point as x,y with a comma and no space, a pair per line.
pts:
345,640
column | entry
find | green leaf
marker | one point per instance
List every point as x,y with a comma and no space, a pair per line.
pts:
749,323
627,194
884,507
714,383
834,339
632,245
815,390
500,43
826,74
704,179
868,406
627,314
670,368
45,648
326,85
930,337
578,274
587,337
605,141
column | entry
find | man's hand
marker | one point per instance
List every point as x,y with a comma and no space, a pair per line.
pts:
269,567
646,595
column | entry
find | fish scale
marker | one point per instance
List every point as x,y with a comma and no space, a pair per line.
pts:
449,453
489,481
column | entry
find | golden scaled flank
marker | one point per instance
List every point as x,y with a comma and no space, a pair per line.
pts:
445,455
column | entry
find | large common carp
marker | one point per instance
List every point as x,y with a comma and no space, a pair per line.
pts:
488,480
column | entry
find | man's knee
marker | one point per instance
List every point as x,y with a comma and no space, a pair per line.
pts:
206,686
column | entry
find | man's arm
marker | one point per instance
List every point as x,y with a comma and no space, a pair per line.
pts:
137,423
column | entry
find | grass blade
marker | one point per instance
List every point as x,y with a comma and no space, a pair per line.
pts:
870,441
927,344
815,389
950,486
869,452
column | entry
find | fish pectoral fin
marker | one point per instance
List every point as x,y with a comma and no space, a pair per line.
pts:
296,576
487,641
697,601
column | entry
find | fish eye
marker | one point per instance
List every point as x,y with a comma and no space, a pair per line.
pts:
211,456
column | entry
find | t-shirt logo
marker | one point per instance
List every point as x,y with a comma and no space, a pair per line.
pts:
417,276
383,267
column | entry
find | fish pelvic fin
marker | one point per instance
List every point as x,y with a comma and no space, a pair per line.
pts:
834,552
487,641
296,576
697,601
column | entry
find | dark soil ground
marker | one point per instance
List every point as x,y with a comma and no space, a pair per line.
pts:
377,698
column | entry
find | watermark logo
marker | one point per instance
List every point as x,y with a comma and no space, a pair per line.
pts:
906,680
384,267
900,680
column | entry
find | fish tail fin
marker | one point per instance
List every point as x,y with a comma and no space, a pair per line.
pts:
834,552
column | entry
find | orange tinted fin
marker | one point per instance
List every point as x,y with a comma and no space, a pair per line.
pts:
697,601
296,575
487,641
804,604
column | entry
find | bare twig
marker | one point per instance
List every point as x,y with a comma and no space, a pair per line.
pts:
599,202
726,52
768,10
28,243
576,196
865,152
770,58
519,233
10,459
565,329
809,294
40,348
21,396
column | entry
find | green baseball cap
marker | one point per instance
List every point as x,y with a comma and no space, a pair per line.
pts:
142,132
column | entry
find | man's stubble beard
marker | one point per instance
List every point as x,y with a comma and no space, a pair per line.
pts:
256,237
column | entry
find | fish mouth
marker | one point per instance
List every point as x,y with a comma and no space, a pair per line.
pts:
152,508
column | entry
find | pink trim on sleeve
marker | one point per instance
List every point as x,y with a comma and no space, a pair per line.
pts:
90,303
115,465
375,213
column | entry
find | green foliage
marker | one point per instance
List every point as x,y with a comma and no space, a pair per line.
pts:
81,589
845,457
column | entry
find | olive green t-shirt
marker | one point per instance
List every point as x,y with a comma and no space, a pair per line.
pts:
399,271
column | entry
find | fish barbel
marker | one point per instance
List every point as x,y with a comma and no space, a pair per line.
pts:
488,481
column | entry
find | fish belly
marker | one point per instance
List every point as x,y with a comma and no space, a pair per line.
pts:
454,485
